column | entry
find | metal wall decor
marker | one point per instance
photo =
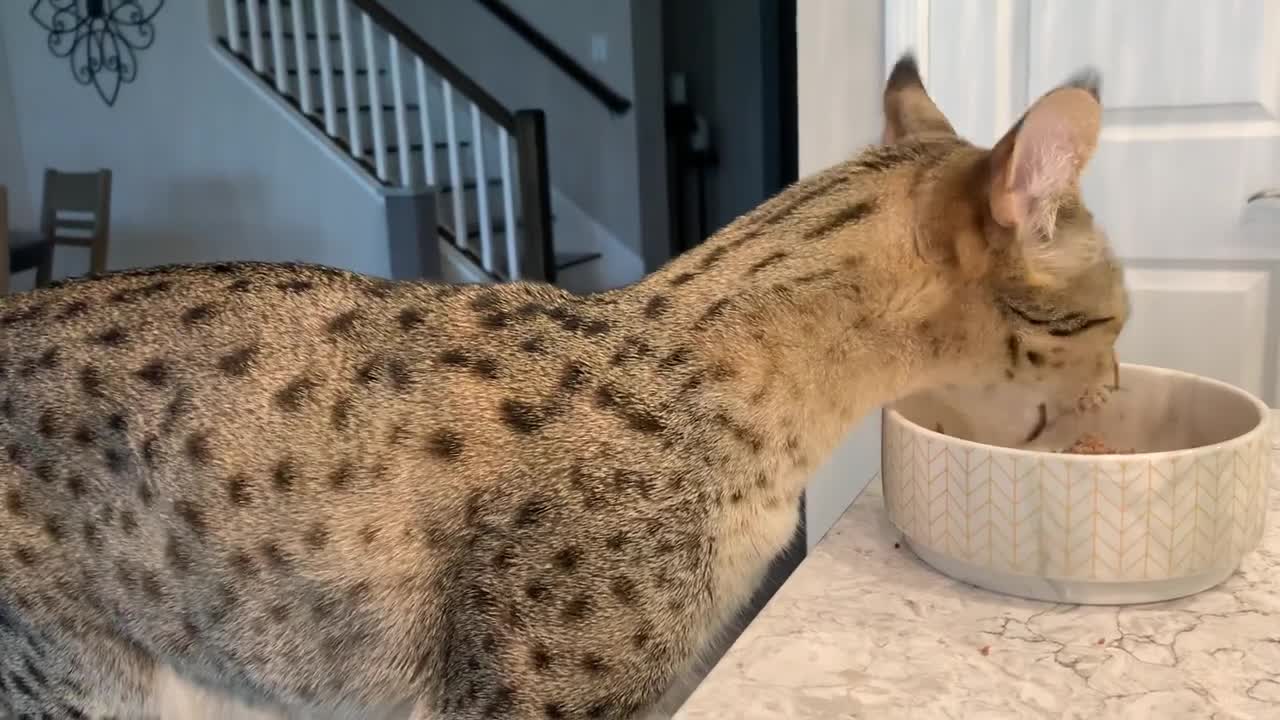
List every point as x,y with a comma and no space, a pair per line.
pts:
101,38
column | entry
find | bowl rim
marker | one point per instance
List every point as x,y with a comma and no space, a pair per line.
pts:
1264,414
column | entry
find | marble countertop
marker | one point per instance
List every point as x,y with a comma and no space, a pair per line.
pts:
863,629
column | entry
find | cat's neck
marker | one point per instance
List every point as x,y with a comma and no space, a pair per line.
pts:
808,339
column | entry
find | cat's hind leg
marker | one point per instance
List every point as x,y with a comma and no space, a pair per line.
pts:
49,671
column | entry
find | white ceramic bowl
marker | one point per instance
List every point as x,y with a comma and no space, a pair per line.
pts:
1172,520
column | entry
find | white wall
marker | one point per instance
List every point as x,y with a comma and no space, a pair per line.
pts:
841,67
203,168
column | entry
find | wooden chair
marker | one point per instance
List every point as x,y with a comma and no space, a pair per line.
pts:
75,210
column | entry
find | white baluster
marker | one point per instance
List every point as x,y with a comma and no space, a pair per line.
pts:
233,26
255,34
349,80
424,118
326,70
375,99
508,205
300,57
277,46
455,166
397,99
482,191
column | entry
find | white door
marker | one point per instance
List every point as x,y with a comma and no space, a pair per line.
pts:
1191,130
1191,91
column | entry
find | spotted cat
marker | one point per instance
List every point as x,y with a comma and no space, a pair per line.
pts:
253,490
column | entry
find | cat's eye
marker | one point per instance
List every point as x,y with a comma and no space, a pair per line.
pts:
1077,328
1062,326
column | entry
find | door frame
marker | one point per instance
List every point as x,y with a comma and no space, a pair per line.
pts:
779,102
840,72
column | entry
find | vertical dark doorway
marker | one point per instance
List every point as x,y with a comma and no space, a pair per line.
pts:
732,141
781,103
731,82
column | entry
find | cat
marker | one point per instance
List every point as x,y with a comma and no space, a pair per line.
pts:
267,490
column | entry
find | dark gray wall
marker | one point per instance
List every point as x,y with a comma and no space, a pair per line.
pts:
570,24
718,45
597,158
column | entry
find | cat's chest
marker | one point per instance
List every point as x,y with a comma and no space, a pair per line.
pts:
748,537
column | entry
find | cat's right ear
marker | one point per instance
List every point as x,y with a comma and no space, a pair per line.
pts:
1042,157
908,111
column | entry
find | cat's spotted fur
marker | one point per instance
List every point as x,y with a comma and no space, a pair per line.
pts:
321,495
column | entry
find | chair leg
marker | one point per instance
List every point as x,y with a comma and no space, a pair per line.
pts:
44,271
98,256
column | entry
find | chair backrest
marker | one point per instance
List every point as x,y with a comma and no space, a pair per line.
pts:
76,206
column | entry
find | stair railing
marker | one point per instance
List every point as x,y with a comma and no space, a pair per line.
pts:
388,55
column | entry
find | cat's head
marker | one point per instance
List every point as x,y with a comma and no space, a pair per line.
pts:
1011,225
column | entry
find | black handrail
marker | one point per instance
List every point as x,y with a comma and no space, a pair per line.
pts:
406,36
592,84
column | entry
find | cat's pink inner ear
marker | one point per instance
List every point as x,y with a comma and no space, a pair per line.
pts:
1044,155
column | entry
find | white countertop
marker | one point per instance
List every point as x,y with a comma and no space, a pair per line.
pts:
863,629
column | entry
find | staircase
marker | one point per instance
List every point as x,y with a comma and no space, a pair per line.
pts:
411,121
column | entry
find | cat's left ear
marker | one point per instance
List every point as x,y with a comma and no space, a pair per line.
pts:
908,110
1040,160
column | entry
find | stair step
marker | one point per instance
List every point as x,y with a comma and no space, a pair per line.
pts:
563,259
498,227
288,35
471,185
409,107
416,147
413,148
338,71
566,260
317,116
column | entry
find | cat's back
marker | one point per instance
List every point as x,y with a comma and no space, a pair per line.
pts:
157,314
132,375
179,360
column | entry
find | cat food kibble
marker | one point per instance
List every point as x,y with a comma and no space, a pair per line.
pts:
1091,444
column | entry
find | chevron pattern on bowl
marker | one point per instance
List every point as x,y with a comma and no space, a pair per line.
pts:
1082,528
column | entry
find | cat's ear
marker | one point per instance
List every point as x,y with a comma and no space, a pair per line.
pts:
908,111
1040,160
